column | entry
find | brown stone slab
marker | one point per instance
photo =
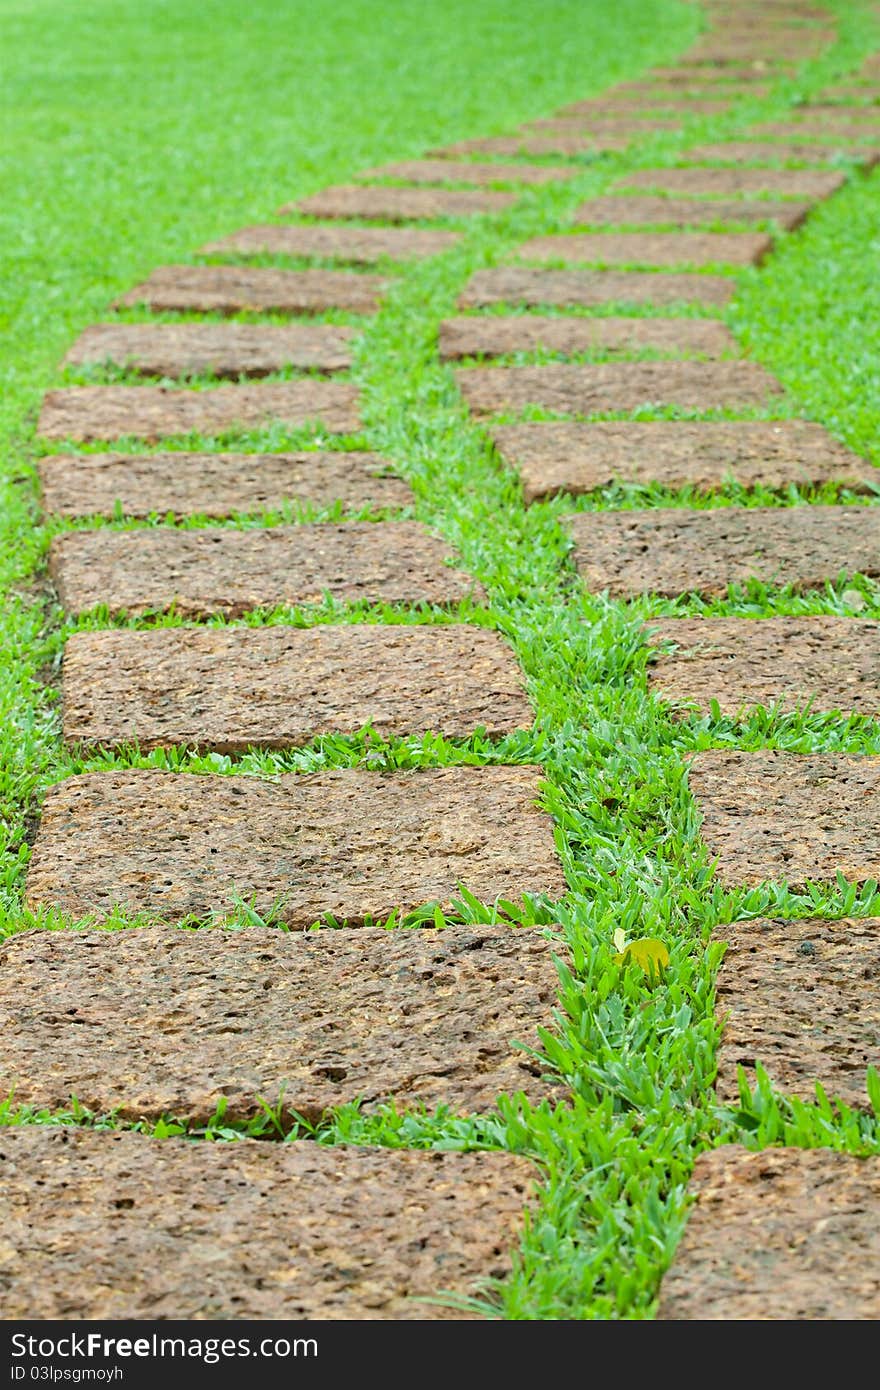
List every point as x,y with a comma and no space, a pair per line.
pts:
233,289
557,456
583,125
359,245
558,142
224,349
785,183
209,571
825,662
215,485
650,248
685,212
117,1225
814,130
693,88
230,689
792,817
800,998
768,152
673,551
307,1021
588,388
449,171
402,204
351,843
710,72
491,335
589,288
611,105
779,1235
153,412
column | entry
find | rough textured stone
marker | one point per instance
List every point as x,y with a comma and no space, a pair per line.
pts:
225,349
537,142
491,335
651,248
160,1021
555,456
100,1226
213,570
401,204
830,663
684,212
590,388
359,245
779,1235
351,843
231,289
590,288
448,171
215,485
766,152
800,997
278,687
154,412
791,817
785,183
672,551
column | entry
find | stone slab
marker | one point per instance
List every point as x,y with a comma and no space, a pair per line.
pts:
230,689
590,288
709,72
611,105
556,456
307,1021
608,125
234,289
800,997
402,204
780,1235
215,485
685,212
209,571
693,87
821,129
352,843
791,817
155,412
774,152
120,1226
223,349
590,388
785,183
464,171
538,143
650,248
491,335
672,551
359,245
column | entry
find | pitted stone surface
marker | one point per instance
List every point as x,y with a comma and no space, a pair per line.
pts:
558,456
785,183
158,1021
464,171
766,152
154,412
359,245
402,204
671,551
685,212
800,997
825,662
117,1225
590,288
224,349
651,248
351,843
538,142
209,571
791,817
231,289
491,335
229,689
215,485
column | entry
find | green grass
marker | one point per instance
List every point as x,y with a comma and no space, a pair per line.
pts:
132,136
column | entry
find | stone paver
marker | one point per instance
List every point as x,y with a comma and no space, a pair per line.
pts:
210,570
590,388
557,456
800,998
814,129
402,204
232,289
790,817
153,412
117,1226
491,335
830,663
610,105
449,171
673,551
651,248
305,1020
685,212
359,245
768,152
215,485
278,687
224,349
785,183
778,1235
352,843
593,142
590,288
608,125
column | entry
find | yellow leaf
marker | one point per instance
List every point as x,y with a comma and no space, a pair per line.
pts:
619,939
647,952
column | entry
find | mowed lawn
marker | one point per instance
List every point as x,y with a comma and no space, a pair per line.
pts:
131,135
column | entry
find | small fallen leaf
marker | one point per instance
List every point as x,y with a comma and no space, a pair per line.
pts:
647,952
619,939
